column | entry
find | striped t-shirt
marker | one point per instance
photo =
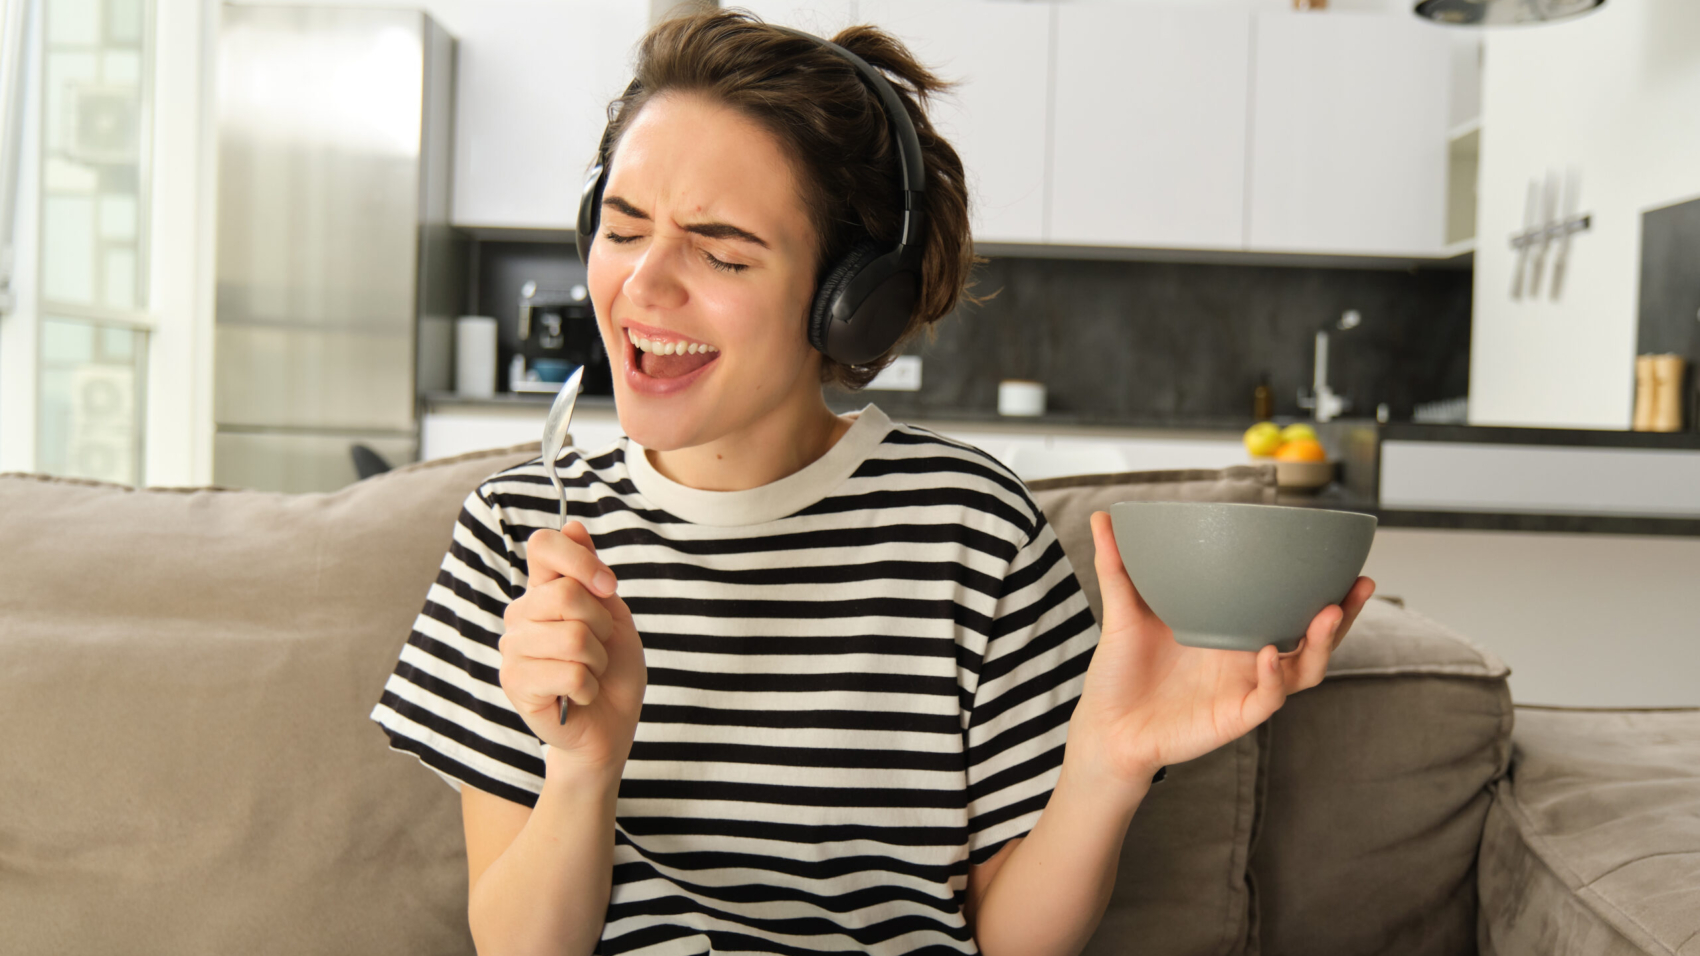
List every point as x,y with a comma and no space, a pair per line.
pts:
860,680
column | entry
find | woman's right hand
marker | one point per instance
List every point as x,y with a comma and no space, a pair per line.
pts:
567,637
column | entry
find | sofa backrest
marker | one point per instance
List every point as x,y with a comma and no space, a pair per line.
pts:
1376,787
185,678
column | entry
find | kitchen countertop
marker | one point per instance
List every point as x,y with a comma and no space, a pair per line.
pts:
1338,497
1354,442
1499,434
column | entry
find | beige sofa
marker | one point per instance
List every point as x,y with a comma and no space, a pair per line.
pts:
188,767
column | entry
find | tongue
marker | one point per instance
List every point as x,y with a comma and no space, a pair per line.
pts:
673,366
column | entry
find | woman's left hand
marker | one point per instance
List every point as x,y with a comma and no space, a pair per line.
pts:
1150,702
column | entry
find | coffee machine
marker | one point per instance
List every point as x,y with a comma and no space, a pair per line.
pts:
558,333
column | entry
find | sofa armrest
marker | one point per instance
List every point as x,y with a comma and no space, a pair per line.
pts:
1592,841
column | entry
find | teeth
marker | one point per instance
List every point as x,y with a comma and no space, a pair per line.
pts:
660,347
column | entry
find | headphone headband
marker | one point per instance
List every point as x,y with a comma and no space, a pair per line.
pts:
908,144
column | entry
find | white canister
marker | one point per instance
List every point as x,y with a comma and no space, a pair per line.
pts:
475,356
1018,396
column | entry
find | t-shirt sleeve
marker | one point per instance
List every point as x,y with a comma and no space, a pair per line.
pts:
1031,674
444,701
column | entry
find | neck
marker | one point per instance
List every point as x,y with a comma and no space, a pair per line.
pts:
780,443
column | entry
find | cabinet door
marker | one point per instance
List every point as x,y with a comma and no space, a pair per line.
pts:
1349,134
1149,146
995,118
534,83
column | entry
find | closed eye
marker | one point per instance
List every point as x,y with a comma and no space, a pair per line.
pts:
724,266
612,236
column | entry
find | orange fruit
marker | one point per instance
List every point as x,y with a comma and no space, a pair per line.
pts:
1304,449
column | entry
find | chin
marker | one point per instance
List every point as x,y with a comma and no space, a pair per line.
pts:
656,428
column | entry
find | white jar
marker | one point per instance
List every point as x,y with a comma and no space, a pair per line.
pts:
475,356
1021,397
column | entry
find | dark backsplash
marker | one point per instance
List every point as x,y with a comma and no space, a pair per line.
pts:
1148,340
1136,341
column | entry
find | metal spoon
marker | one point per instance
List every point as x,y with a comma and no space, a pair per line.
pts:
554,437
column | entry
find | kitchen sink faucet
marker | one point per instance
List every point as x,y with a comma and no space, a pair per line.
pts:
1322,399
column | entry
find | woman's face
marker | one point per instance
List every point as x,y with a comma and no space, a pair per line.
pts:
704,243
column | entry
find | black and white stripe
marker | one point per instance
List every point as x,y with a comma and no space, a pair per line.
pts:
848,702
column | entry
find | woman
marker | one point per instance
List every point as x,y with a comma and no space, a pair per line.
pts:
877,715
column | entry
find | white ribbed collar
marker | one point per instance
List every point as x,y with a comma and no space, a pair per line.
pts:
768,502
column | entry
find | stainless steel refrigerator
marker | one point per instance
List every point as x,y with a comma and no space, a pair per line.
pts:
338,273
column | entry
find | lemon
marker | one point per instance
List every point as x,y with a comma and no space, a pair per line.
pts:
1298,431
1262,439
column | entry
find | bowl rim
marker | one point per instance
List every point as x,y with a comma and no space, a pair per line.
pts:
1251,504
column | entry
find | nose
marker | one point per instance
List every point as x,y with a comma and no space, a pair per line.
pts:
655,281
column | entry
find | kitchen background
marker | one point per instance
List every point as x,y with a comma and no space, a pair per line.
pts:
235,239
1137,342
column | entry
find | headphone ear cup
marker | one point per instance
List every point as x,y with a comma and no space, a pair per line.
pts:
836,284
589,201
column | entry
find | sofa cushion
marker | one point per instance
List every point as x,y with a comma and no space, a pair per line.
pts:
1181,886
1378,781
184,681
1592,844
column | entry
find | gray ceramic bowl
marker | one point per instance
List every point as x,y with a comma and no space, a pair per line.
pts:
1239,576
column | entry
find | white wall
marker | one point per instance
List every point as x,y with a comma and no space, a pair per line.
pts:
1594,620
1615,94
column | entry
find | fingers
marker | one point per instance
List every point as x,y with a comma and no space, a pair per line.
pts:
563,599
1308,664
564,641
1271,689
536,686
567,553
1354,602
1113,582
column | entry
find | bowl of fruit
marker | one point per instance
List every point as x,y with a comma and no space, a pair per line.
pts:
1301,463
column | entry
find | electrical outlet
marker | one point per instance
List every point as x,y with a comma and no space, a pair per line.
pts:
902,375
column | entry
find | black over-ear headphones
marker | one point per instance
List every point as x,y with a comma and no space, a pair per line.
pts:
865,299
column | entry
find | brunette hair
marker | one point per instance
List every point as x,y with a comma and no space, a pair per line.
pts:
836,132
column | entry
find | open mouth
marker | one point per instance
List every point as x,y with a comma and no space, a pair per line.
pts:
668,358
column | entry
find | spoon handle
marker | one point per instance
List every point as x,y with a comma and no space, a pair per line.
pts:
564,700
561,490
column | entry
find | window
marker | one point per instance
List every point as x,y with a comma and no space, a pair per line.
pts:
92,274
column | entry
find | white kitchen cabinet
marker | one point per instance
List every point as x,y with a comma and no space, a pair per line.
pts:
453,429
534,82
1348,141
995,118
1035,454
1149,141
820,17
1155,125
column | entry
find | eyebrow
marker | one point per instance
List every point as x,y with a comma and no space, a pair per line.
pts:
713,230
